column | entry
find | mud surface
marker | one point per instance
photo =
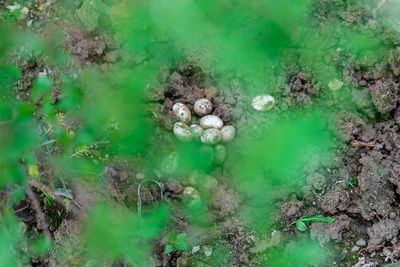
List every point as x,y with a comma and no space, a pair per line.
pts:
367,227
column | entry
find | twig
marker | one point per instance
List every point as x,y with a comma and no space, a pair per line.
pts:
40,217
380,4
91,146
21,209
356,143
48,130
48,142
75,210
140,198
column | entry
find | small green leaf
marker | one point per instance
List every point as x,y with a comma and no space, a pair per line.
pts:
41,86
301,226
41,245
181,246
16,196
181,237
33,170
171,237
169,248
321,219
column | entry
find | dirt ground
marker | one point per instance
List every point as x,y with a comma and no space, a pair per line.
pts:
367,227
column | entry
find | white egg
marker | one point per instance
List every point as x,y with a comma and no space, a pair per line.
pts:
211,121
263,102
196,130
211,136
209,183
335,85
192,195
203,107
228,132
220,154
170,163
182,132
182,112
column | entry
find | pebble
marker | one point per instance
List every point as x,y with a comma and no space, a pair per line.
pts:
207,251
211,121
387,252
203,107
140,176
263,102
195,249
361,243
355,249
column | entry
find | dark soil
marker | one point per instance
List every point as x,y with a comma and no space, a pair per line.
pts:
368,150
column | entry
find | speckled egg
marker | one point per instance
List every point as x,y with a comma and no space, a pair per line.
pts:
263,102
182,132
220,154
192,195
211,121
182,112
228,133
211,136
203,107
196,130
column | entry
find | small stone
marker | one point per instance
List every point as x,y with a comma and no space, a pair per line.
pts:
263,102
140,176
361,243
355,249
211,121
387,252
207,251
195,249
203,107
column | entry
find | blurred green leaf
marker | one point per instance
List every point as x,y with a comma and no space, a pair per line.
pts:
301,226
41,245
169,248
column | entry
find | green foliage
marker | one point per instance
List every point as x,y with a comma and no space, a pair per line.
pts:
11,237
352,182
41,245
123,235
252,41
11,16
48,198
175,242
303,254
42,86
17,195
301,224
